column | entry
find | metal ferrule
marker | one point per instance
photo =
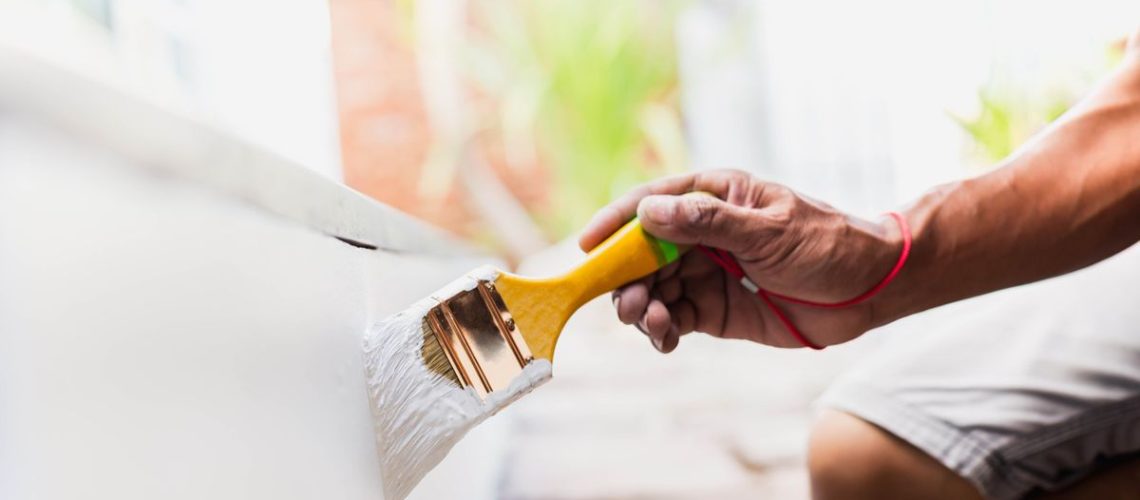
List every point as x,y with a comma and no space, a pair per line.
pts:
480,338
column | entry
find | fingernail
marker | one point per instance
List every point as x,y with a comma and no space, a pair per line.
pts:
658,209
617,302
657,342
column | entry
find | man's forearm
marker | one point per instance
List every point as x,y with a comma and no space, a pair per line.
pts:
1068,199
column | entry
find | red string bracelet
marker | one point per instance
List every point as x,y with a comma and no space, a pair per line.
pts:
726,261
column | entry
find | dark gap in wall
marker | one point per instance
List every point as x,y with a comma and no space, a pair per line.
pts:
357,244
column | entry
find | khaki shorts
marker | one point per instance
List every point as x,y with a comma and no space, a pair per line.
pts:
1021,390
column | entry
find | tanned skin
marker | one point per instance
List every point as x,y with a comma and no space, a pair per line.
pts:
1069,198
1066,200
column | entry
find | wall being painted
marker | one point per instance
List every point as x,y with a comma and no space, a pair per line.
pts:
175,333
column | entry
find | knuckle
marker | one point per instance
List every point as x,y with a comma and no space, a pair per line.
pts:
739,176
738,181
702,213
797,229
772,239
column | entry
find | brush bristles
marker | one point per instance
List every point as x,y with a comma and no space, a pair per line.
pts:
435,359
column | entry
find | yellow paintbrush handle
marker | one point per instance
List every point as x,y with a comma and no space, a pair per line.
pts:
628,254
540,307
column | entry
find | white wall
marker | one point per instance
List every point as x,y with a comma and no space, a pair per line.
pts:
174,330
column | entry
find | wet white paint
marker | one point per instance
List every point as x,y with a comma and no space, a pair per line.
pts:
196,333
419,415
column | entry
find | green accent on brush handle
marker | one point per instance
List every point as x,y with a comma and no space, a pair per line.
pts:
666,251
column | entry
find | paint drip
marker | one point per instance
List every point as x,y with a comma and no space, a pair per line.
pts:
419,415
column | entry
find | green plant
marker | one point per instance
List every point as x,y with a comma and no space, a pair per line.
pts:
1007,119
589,86
1008,114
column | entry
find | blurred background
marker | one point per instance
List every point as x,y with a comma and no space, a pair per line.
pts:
471,113
509,122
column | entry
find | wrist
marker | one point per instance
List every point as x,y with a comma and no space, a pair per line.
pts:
884,253
884,307
907,293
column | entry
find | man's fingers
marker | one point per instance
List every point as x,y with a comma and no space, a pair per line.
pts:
669,290
605,221
704,220
695,264
657,323
631,301
684,316
728,185
669,271
670,342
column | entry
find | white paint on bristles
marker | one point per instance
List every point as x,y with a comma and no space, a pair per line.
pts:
419,415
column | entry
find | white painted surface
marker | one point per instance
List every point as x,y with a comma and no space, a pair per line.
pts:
474,468
421,415
153,136
172,332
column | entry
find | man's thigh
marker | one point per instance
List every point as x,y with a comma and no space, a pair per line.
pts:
1032,388
851,459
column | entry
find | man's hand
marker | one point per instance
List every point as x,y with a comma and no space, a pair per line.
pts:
1067,199
785,242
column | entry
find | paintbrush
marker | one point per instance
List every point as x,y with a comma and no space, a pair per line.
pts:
453,359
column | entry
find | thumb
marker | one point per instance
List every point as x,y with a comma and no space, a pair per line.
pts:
693,220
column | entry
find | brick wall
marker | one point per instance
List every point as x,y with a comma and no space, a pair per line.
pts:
386,134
